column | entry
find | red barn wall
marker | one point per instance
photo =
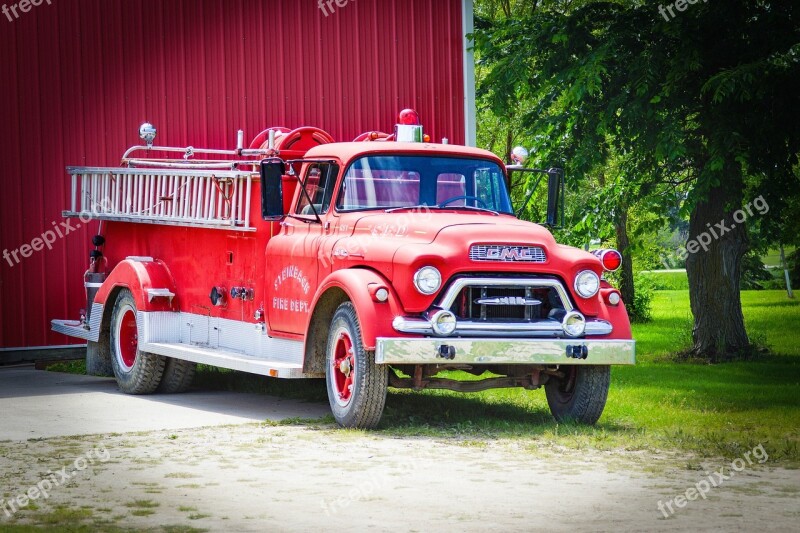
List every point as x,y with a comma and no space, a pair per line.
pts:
79,76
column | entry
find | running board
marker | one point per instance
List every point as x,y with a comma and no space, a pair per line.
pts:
226,359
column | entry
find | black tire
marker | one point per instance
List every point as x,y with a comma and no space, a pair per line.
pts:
178,376
98,357
359,402
137,372
581,395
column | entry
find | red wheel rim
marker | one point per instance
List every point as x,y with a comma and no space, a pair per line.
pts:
128,339
343,368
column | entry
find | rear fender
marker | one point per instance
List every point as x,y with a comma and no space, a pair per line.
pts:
138,277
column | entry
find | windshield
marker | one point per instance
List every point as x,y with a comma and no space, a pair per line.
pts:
386,182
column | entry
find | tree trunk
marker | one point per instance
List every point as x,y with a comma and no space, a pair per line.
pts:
626,286
714,254
785,266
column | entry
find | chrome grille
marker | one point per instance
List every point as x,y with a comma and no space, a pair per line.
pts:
510,304
504,253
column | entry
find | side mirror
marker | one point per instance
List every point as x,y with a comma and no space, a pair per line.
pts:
271,189
555,196
555,192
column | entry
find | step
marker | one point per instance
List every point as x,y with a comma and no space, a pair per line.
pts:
227,359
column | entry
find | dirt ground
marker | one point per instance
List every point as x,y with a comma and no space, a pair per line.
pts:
266,477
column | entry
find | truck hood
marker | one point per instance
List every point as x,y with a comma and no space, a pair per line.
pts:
384,240
398,246
424,226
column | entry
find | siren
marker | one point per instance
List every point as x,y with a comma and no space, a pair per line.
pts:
409,128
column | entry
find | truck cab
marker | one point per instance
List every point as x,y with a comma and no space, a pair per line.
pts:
384,262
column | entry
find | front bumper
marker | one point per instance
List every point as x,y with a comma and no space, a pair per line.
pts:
425,351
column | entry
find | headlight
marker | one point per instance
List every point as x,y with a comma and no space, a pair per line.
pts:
574,324
427,280
587,283
443,322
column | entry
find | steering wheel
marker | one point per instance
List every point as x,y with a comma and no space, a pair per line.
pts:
454,198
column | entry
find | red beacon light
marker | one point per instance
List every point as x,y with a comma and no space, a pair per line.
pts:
409,128
408,117
610,258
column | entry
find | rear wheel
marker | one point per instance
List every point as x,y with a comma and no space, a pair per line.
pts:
137,372
178,376
580,395
356,385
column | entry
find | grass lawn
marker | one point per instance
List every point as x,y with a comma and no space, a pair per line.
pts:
668,280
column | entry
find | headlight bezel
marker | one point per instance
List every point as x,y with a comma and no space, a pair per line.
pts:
571,319
585,275
436,325
418,280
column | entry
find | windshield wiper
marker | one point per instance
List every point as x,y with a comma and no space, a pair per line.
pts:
470,207
421,206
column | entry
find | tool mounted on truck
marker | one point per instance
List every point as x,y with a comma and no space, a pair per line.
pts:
374,263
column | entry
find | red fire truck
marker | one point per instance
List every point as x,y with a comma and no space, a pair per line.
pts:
382,262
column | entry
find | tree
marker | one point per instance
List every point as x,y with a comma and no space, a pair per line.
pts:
700,102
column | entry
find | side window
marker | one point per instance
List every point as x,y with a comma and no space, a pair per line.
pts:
319,182
486,186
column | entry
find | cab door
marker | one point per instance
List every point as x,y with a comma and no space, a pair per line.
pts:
292,256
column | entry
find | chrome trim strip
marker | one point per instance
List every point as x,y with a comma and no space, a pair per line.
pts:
446,301
598,327
395,351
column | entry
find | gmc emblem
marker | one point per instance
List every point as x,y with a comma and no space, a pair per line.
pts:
513,254
528,254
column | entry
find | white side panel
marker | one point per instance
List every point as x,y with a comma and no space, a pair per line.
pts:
211,333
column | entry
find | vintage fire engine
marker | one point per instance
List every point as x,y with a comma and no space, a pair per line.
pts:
382,262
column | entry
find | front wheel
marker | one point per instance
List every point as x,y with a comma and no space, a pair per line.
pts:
580,395
356,385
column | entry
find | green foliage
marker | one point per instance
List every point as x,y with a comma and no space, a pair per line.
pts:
639,310
754,273
656,117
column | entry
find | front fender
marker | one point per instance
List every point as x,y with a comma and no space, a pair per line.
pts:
375,317
617,315
138,277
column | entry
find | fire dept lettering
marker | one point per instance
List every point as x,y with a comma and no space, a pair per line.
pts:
292,272
291,305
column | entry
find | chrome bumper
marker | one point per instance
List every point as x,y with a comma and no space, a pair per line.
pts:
469,328
396,351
